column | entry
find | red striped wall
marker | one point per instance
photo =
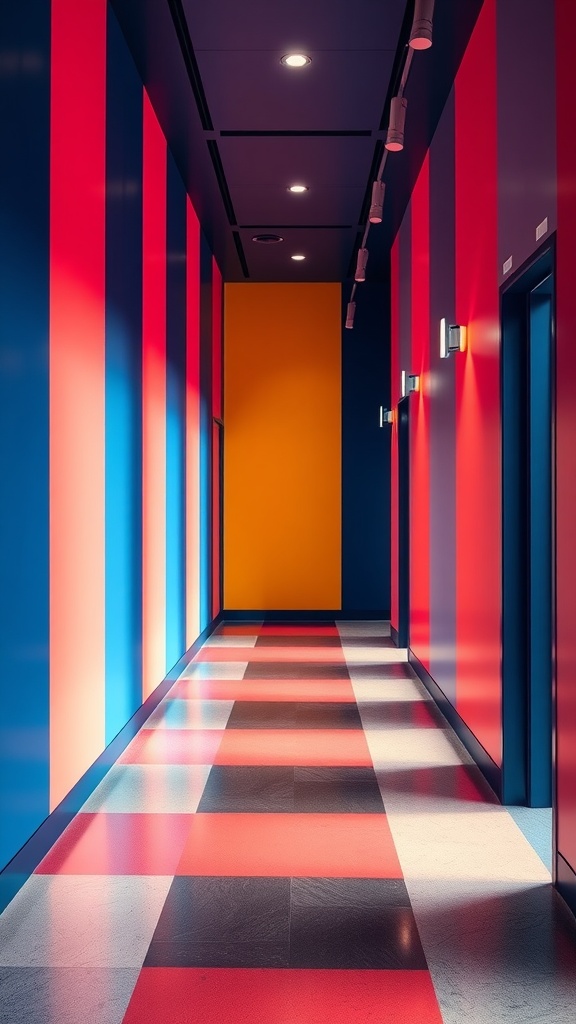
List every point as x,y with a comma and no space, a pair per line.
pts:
77,302
394,398
192,424
566,434
216,435
153,402
478,523
420,421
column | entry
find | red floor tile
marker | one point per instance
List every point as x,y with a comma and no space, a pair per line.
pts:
326,655
318,690
303,845
311,630
119,844
171,995
173,746
343,747
242,629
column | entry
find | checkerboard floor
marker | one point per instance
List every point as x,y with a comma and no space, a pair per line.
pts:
294,837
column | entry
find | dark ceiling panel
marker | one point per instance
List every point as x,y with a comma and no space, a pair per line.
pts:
340,90
296,25
327,253
279,161
273,204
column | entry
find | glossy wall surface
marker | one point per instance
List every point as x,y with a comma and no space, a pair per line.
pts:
105,416
471,224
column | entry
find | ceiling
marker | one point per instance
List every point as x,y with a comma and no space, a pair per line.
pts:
243,127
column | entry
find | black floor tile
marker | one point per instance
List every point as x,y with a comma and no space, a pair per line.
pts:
295,670
336,791
362,893
293,715
363,938
298,641
409,714
220,921
218,954
383,670
248,789
368,641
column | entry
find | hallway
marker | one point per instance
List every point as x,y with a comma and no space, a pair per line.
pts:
294,837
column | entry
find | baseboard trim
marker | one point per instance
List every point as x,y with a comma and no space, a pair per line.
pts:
566,882
25,862
490,770
301,615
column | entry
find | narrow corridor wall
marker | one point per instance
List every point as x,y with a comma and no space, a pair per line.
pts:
109,324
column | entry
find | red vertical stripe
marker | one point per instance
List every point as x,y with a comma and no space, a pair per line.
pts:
216,435
77,300
420,421
394,398
192,424
153,402
478,499
566,436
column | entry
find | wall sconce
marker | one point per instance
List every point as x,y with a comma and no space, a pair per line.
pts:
452,338
410,382
386,416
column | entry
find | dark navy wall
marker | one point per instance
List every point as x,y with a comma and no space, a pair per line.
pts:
175,417
123,384
442,410
526,54
24,330
366,455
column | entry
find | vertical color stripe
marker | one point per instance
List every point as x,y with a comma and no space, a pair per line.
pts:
205,432
175,418
123,384
420,421
394,399
24,409
217,385
566,439
77,333
478,434
153,403
192,425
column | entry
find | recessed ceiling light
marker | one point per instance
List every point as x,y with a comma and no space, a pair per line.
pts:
267,239
295,60
298,256
298,188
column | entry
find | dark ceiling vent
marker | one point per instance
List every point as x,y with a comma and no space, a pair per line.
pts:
268,239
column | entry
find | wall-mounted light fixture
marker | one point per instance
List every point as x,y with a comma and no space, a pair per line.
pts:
410,382
386,416
452,338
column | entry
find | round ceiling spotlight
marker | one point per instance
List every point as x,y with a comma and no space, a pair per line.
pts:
295,60
298,257
267,239
298,188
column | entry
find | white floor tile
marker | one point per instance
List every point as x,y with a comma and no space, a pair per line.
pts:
150,789
215,670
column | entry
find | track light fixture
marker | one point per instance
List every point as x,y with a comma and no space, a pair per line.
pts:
421,34
395,135
375,215
350,311
361,262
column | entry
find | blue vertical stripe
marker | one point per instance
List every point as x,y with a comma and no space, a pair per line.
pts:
205,433
175,418
123,384
24,412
